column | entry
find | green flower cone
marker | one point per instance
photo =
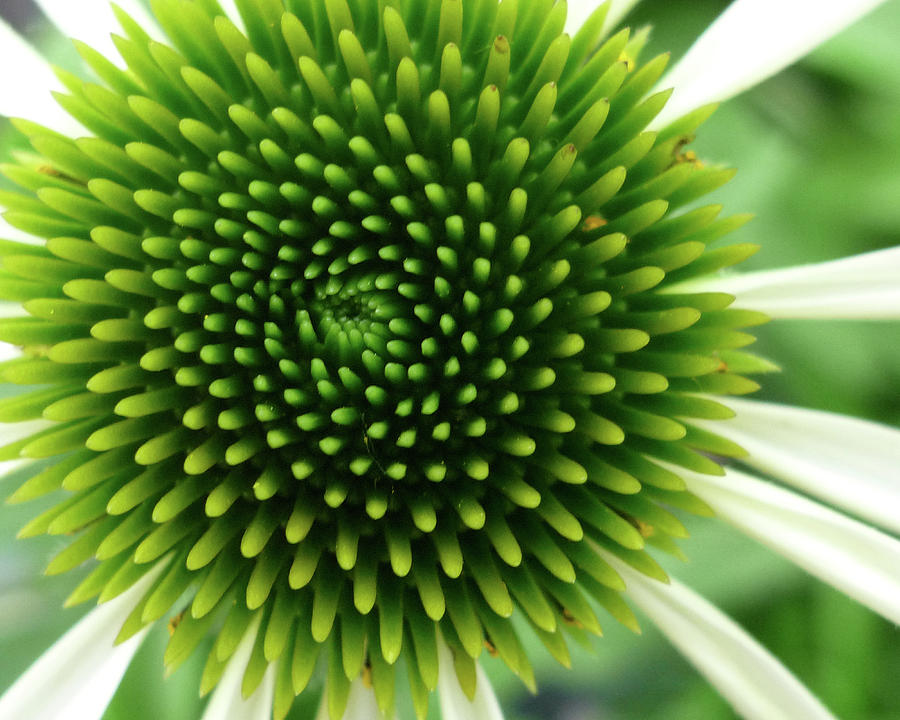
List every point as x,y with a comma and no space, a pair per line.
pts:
361,325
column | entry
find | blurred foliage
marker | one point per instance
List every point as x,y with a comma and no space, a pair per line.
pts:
817,148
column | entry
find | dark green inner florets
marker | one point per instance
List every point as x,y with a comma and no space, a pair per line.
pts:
360,321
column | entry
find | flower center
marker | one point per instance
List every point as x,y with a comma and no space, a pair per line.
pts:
361,322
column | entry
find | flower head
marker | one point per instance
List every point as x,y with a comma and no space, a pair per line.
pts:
361,326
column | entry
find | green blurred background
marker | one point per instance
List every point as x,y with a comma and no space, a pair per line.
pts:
818,149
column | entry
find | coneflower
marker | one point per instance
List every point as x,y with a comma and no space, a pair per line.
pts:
360,329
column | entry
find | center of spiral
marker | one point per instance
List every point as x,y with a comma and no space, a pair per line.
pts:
346,308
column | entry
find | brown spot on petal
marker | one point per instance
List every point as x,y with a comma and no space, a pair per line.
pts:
175,621
625,58
689,156
593,222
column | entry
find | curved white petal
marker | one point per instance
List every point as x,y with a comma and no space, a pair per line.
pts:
617,13
7,350
750,41
13,432
79,674
26,92
230,9
756,684
853,464
454,703
7,231
361,704
854,558
581,10
93,21
227,702
11,468
863,287
9,309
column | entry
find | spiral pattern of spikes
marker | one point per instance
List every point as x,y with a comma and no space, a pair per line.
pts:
358,321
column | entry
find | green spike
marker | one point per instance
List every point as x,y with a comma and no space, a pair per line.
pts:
305,654
462,616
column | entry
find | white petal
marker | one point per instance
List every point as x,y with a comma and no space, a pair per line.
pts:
231,10
454,703
26,92
227,702
78,676
855,558
617,13
756,684
10,468
13,432
7,231
750,41
853,464
361,704
93,21
12,310
580,10
863,287
7,350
